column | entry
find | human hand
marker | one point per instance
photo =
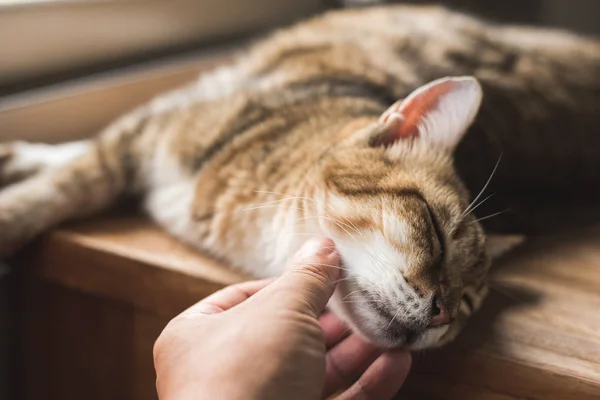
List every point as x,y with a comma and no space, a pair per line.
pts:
269,340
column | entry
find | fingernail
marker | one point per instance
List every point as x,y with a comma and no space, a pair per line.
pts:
317,247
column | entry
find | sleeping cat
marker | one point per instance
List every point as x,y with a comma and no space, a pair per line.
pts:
352,125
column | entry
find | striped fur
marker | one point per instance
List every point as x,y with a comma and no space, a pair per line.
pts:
254,157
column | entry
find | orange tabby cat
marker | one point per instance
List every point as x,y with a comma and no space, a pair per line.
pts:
344,126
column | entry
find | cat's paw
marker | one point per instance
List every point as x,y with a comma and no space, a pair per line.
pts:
22,160
6,156
18,221
20,215
14,166
6,153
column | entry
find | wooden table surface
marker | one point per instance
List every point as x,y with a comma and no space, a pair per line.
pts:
536,337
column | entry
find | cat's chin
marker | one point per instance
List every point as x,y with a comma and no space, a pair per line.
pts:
430,339
369,330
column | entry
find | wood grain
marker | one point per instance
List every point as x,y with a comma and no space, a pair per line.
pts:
78,346
536,337
129,260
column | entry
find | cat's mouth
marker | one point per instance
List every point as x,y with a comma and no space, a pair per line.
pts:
383,325
407,334
413,339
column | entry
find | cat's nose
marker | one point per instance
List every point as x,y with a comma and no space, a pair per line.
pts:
439,313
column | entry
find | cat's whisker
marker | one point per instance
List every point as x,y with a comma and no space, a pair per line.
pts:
383,263
355,228
370,257
363,301
340,223
276,202
330,265
279,200
270,202
348,278
478,204
355,294
387,260
287,196
376,261
260,206
346,225
332,220
469,207
491,215
394,317
350,294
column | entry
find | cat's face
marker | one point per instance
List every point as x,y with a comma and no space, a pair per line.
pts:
415,260
414,266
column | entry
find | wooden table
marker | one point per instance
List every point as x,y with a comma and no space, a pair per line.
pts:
96,294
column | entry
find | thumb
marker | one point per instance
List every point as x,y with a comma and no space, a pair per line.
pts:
310,280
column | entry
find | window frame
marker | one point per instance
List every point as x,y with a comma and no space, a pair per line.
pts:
45,41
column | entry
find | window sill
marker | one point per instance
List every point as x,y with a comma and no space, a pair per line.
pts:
536,339
81,108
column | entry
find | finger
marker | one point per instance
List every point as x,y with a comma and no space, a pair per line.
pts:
346,362
382,380
228,297
309,282
333,329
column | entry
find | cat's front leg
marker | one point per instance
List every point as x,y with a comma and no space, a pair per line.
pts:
8,173
75,181
21,160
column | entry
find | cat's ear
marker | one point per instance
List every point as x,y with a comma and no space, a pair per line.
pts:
439,113
498,245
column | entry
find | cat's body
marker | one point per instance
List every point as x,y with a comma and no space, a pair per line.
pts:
255,157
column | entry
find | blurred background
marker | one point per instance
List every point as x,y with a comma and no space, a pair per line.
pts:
93,59
44,42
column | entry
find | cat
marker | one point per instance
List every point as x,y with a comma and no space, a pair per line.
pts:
381,128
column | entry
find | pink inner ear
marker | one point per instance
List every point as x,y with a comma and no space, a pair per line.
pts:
403,117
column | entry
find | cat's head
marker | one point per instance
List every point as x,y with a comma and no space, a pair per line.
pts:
415,259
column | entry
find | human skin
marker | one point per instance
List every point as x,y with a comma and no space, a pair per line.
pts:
270,339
